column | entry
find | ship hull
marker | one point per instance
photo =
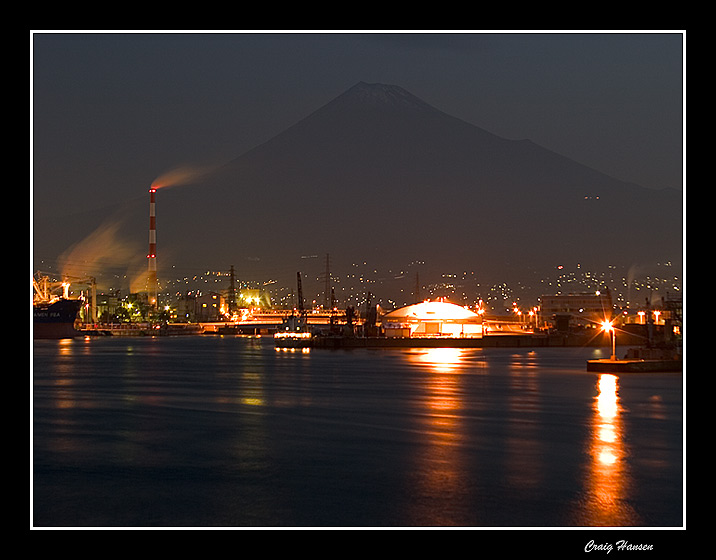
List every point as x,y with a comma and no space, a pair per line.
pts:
55,320
292,340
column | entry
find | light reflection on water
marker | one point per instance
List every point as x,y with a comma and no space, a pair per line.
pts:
437,463
608,482
433,437
441,360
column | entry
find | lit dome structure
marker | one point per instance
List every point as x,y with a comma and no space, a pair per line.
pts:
432,319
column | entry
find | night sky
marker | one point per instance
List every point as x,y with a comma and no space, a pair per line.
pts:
111,112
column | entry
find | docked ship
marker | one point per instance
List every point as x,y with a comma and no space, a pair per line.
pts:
293,333
53,316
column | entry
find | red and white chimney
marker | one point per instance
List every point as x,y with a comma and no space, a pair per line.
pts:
152,256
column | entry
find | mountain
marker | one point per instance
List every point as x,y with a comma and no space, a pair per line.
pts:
378,174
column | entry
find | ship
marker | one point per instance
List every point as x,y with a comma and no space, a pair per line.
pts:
55,319
53,316
293,333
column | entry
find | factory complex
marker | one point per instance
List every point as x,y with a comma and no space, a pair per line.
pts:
250,312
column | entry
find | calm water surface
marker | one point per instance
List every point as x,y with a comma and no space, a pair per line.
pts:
229,432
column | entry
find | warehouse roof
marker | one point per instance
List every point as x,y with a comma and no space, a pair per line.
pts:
435,310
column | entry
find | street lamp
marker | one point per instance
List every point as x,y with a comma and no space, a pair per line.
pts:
608,327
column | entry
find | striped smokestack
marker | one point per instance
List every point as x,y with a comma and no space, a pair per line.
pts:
152,256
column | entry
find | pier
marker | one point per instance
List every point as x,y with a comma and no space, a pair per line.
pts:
634,366
496,341
640,360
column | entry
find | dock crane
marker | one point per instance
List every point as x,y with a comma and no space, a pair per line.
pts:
300,294
45,291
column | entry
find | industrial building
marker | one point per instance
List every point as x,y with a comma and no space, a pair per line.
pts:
431,319
577,309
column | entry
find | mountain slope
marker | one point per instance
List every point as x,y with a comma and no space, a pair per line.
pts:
379,174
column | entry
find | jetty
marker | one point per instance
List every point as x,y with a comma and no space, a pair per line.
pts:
640,360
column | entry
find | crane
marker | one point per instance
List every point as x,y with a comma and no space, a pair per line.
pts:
45,290
300,293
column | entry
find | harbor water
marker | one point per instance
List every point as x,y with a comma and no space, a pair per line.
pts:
228,431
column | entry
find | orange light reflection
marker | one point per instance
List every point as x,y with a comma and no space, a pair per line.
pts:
438,467
441,360
608,481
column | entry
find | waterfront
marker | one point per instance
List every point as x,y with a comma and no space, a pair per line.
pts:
227,431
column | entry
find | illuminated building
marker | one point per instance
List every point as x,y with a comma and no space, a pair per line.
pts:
432,319
577,309
209,307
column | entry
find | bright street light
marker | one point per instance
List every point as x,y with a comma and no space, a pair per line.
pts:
608,327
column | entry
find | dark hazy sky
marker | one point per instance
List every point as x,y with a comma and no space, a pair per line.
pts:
111,112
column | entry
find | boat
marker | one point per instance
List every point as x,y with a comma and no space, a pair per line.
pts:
53,316
293,333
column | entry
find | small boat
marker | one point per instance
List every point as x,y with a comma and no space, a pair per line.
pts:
293,333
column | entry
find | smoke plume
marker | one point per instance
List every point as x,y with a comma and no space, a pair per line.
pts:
102,248
179,176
